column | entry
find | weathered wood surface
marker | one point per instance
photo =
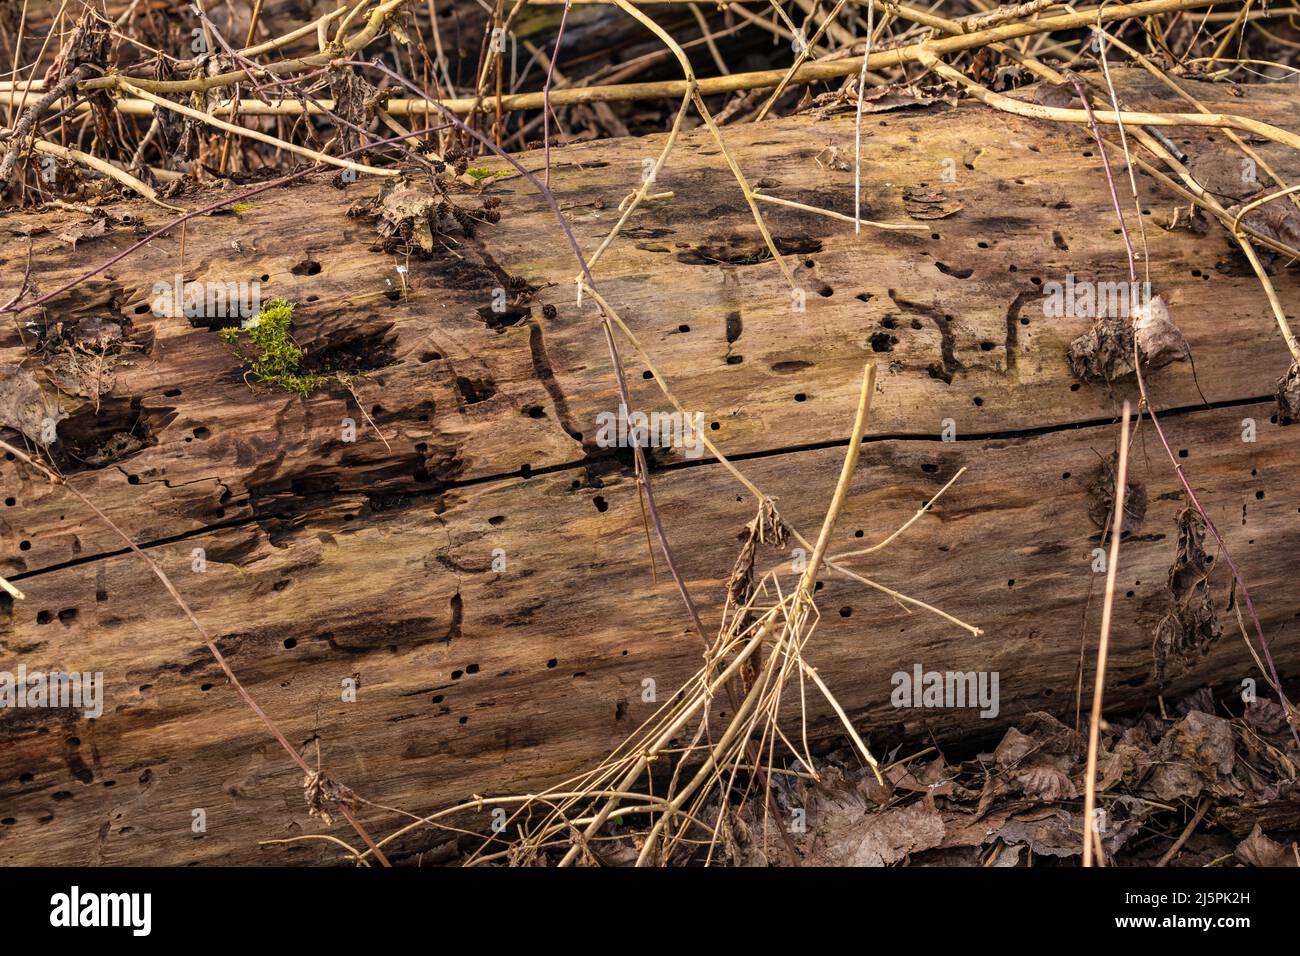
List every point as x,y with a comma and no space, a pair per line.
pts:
328,560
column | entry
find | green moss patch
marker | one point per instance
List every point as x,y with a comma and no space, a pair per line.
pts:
274,361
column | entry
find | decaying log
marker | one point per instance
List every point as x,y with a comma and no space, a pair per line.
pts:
326,559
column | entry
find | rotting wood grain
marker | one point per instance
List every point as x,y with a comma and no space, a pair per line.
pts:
765,375
328,560
473,681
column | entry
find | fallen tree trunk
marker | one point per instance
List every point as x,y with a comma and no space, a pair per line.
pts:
475,564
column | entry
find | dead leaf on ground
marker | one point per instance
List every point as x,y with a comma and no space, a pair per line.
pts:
1258,850
27,230
1046,783
888,837
76,232
987,811
1198,754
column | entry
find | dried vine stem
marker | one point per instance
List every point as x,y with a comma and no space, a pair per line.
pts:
314,155
1103,646
805,51
799,605
1275,680
1063,115
1243,234
338,48
643,479
13,306
17,307
571,824
694,95
30,116
104,167
809,72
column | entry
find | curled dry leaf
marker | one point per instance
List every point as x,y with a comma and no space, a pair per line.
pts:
1101,494
421,214
82,359
355,100
1015,746
1197,755
882,839
1191,627
25,407
831,158
765,528
1265,716
1105,352
1288,394
95,333
410,215
1025,794
27,230
320,791
1055,95
1046,783
1048,831
879,99
89,43
1123,764
1159,340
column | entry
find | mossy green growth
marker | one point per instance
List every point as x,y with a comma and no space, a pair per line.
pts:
482,172
277,362
241,207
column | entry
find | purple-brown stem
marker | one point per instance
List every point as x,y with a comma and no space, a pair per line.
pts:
546,92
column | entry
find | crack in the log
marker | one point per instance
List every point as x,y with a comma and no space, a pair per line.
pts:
665,467
1036,432
155,543
167,482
